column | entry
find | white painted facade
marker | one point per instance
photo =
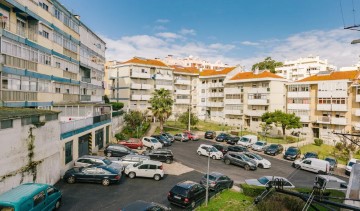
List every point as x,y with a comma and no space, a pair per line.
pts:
192,61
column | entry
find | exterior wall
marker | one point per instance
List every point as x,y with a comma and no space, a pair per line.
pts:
193,62
15,152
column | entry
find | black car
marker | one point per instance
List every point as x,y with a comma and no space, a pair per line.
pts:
333,163
187,194
217,181
222,137
117,150
169,136
163,155
221,148
292,153
237,149
274,149
210,134
165,141
96,174
310,155
140,205
232,140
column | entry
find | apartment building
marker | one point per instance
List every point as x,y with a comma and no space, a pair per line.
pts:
301,68
135,80
325,103
185,89
249,95
211,93
194,62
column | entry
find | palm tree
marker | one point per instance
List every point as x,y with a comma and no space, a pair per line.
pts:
161,105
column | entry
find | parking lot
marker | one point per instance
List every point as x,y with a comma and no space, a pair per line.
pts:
188,165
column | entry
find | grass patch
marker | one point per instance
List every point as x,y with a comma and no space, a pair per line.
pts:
323,151
229,200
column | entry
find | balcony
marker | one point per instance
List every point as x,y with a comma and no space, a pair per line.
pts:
101,118
182,101
292,106
181,92
214,85
304,118
95,98
146,86
85,98
163,77
338,121
339,107
233,90
323,120
18,96
332,93
232,101
135,86
145,97
135,97
216,94
86,79
168,87
215,104
70,98
258,101
356,125
182,82
75,124
259,90
298,94
356,112
255,113
216,114
323,107
139,75
233,112
357,98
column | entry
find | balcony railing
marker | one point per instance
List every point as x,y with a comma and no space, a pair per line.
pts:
356,111
324,120
233,112
182,101
76,124
8,95
298,94
85,97
254,112
71,98
181,92
259,90
168,87
182,81
101,118
233,90
216,94
215,104
135,86
292,106
233,101
86,79
146,86
139,75
258,101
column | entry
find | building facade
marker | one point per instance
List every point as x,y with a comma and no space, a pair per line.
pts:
303,67
194,62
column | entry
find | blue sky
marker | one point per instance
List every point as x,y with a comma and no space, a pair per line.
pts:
234,31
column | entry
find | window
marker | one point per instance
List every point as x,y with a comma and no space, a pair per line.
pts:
50,191
21,27
57,90
39,198
152,167
144,166
45,34
4,124
30,120
57,13
68,152
44,6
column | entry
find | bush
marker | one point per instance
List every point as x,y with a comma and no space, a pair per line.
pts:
339,146
318,141
120,136
117,106
251,190
290,139
277,201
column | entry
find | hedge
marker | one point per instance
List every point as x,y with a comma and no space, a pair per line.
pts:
251,190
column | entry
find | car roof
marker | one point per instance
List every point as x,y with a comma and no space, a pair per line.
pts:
205,145
135,155
91,156
235,153
311,153
216,174
353,160
153,162
276,177
293,148
186,184
22,192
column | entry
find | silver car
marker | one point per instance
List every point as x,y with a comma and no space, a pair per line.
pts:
88,160
259,146
265,180
131,159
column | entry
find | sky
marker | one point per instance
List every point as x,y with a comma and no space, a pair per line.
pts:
233,31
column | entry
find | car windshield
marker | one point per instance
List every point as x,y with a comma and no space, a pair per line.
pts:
260,143
213,149
330,160
137,164
263,180
272,146
351,164
107,161
180,191
292,150
211,177
154,140
258,157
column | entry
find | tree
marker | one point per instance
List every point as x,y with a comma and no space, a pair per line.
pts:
117,106
161,105
184,118
106,99
285,120
265,127
133,119
267,64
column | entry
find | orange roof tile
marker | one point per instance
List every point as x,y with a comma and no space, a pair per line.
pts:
337,75
251,75
180,69
145,61
217,72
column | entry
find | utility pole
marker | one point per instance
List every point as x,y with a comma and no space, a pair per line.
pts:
190,104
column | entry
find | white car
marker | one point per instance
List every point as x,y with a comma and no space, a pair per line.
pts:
247,140
151,142
349,165
263,181
260,161
145,168
208,150
259,146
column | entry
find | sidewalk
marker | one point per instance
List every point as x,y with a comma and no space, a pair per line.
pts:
152,129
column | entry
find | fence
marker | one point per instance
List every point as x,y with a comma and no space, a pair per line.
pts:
75,124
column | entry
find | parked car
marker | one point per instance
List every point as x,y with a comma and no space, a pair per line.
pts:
259,146
187,194
145,168
117,150
247,140
191,136
208,150
165,141
239,159
265,180
274,149
222,137
131,159
169,136
333,163
313,164
232,140
260,161
88,160
132,143
31,196
140,205
217,181
151,143
210,134
292,153
310,155
181,137
221,148
332,183
96,174
163,155
349,165
237,149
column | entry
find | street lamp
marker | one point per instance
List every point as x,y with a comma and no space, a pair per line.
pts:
207,179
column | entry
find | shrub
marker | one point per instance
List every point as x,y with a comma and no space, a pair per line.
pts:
318,141
117,106
251,190
339,146
277,201
291,139
120,136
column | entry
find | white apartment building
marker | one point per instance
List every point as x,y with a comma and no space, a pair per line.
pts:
294,70
195,62
249,95
135,80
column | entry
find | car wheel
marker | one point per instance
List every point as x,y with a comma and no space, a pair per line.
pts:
57,204
297,166
261,166
230,185
168,161
132,175
193,204
152,147
71,180
157,177
227,162
105,182
247,167
108,154
139,148
213,157
199,153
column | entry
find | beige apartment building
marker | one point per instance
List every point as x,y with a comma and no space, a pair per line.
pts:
327,102
249,95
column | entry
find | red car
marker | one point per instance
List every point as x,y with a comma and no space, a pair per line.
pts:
191,136
132,143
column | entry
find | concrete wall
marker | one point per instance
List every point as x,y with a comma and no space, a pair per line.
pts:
117,124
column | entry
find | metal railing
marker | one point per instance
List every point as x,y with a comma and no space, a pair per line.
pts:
101,118
75,124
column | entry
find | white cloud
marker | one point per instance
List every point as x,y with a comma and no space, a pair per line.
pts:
168,35
220,46
159,28
162,21
188,32
249,43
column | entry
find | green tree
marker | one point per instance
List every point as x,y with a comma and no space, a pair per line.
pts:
106,99
267,64
284,120
134,119
117,106
184,118
265,127
161,105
